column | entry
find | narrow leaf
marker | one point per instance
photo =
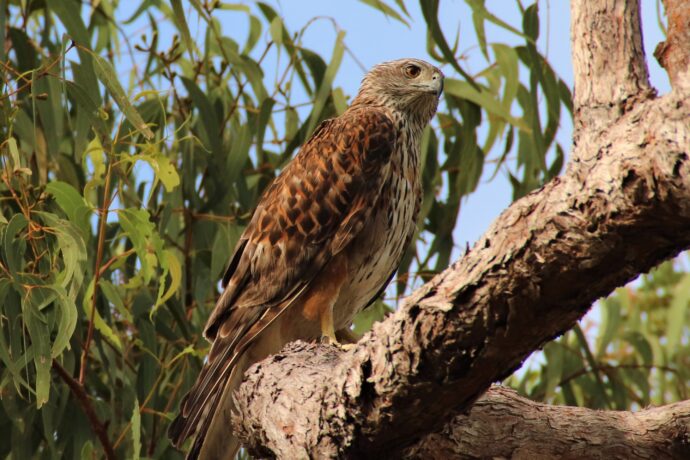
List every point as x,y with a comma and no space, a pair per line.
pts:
98,322
207,114
182,26
72,203
136,431
67,321
325,86
40,341
13,249
385,9
170,264
430,12
484,99
106,74
676,318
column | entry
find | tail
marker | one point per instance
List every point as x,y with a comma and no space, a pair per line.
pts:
206,409
214,439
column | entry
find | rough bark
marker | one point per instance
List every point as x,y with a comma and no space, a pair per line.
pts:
622,207
609,64
521,429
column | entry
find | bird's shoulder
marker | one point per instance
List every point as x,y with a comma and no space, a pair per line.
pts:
368,132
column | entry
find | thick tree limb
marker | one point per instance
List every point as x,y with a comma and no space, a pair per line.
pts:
622,207
521,429
608,59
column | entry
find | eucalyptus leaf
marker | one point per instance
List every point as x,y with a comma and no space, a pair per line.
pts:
106,74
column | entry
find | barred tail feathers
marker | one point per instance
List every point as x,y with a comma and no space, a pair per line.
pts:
215,440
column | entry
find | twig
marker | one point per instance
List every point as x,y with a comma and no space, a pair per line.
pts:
114,259
189,297
97,273
40,74
83,399
206,216
240,90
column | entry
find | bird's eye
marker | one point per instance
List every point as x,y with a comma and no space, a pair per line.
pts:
412,71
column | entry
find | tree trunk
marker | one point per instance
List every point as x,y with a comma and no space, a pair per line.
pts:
622,207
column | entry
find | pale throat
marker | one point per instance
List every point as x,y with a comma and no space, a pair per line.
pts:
406,155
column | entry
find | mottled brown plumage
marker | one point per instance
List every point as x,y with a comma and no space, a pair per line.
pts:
325,239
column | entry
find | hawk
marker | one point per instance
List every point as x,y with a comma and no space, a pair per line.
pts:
323,243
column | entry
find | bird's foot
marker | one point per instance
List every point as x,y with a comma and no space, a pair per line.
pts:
331,340
326,340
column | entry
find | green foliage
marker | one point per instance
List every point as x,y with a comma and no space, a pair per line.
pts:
637,355
130,170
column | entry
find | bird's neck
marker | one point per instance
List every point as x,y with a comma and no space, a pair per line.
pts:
412,121
406,154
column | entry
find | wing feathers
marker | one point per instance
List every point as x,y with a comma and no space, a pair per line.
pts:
311,211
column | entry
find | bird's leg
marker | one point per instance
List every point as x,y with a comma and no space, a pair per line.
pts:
322,296
328,334
327,328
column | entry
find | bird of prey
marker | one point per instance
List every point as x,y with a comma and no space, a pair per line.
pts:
323,243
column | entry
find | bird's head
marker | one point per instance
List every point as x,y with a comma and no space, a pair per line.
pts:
411,86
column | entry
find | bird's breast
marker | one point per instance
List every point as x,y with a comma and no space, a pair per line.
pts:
378,249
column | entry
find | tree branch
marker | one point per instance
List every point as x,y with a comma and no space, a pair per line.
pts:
622,207
609,64
82,398
674,53
505,425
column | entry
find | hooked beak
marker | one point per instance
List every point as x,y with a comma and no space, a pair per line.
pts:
432,86
436,84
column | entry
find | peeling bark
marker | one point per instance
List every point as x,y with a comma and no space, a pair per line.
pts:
622,207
